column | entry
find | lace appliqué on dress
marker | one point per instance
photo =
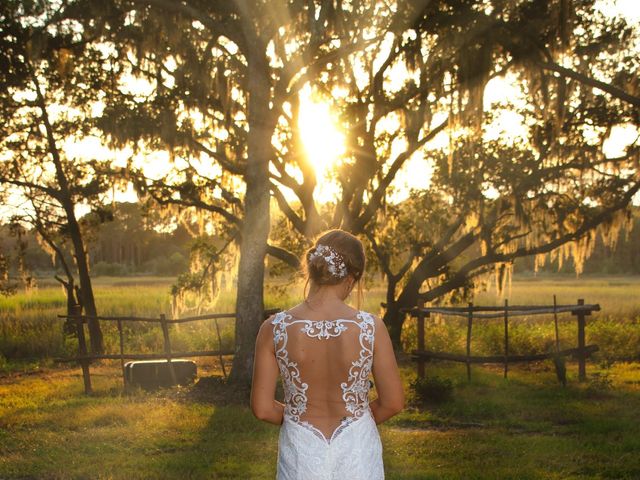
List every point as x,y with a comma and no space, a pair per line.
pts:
355,391
295,397
324,329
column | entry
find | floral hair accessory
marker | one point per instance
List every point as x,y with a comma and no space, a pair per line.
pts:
337,267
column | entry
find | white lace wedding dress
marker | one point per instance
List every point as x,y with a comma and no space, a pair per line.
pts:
328,431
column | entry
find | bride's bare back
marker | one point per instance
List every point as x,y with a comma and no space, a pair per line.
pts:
325,366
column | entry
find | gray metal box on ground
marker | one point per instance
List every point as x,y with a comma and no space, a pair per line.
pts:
150,374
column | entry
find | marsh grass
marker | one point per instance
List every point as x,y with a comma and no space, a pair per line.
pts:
31,334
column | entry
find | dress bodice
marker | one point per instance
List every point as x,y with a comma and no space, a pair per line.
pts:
325,367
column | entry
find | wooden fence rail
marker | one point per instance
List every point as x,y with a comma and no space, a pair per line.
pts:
473,312
85,359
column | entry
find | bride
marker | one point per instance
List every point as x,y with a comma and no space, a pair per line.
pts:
324,351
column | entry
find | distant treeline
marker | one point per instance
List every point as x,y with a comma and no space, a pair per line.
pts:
132,245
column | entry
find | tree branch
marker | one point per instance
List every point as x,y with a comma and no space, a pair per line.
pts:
298,223
19,183
224,162
293,86
592,82
383,258
467,271
285,255
381,190
197,203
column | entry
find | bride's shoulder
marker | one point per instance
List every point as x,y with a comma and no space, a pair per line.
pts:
297,311
273,319
372,318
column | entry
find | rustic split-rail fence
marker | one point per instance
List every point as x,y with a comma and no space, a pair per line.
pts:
473,312
421,355
85,359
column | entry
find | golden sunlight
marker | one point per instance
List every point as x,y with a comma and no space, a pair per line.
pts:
322,139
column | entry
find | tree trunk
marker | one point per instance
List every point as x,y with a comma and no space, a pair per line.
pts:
394,320
256,223
86,289
427,268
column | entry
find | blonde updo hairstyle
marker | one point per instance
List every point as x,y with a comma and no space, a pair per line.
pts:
351,251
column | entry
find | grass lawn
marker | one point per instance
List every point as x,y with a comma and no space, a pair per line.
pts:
526,427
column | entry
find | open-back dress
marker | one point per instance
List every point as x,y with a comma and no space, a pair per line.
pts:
328,431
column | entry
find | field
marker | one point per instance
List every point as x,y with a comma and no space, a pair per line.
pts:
31,334
525,427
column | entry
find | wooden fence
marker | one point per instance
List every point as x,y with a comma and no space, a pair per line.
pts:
85,359
471,312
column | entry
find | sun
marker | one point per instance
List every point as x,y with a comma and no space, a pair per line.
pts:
323,141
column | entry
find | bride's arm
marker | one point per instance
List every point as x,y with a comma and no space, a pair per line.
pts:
265,375
390,399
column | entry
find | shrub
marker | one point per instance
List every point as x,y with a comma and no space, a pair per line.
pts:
171,265
110,269
599,382
433,389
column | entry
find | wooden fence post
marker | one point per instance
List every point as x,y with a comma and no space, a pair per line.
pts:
420,338
124,378
469,323
558,361
555,320
220,357
82,348
582,367
167,346
506,337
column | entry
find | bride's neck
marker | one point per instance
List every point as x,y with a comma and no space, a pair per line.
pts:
325,296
